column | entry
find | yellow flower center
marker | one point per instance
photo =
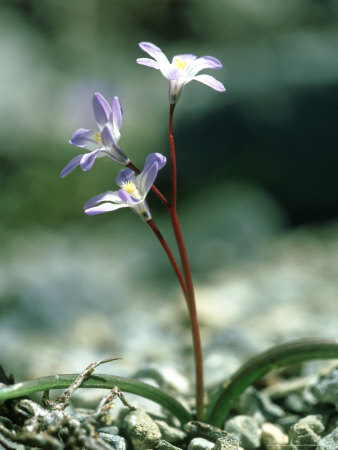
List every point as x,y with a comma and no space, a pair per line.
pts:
97,137
129,187
180,64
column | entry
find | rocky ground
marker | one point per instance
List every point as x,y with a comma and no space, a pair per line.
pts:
68,300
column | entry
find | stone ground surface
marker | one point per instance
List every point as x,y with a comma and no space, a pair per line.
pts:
67,300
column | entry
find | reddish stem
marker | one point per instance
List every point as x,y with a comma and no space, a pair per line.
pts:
172,260
154,189
188,278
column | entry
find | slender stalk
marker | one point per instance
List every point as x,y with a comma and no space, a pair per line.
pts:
154,189
159,236
188,277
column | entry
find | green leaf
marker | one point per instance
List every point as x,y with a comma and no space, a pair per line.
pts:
98,381
280,356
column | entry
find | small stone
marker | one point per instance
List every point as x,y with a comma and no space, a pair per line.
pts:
329,442
306,432
196,428
170,434
200,444
231,442
117,442
326,389
142,430
246,428
259,406
273,437
165,445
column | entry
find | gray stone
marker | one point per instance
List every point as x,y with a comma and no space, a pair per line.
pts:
200,444
326,389
273,437
246,428
196,428
329,442
142,430
170,434
258,405
231,442
165,445
117,442
306,432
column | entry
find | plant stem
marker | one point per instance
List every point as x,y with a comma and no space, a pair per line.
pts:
173,262
188,278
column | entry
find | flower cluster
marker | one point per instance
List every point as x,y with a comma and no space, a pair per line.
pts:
104,141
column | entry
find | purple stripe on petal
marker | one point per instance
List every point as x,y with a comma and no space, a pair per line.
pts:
88,160
71,166
107,136
117,113
210,81
82,137
101,109
147,177
124,176
103,208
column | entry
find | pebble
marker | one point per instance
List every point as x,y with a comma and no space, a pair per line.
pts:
117,442
200,444
246,428
258,405
306,432
195,428
326,389
165,445
273,437
230,442
329,442
169,433
142,430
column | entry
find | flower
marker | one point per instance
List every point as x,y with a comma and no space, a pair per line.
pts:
103,142
134,189
181,70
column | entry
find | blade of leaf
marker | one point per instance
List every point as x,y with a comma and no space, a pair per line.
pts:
279,356
98,381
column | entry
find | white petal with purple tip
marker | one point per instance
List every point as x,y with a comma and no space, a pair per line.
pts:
210,81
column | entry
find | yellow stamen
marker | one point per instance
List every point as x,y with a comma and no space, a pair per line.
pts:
97,137
180,64
129,187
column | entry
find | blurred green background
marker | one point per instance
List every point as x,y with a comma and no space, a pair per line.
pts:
253,163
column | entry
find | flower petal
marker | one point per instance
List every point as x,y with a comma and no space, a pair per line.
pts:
205,62
107,136
71,166
210,81
101,108
82,138
158,55
124,176
103,208
117,113
88,160
146,178
128,198
108,196
148,62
